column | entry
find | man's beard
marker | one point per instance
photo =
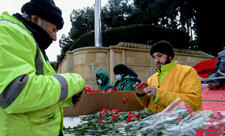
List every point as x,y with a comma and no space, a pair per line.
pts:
166,62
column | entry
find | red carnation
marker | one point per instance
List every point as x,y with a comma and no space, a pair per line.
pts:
107,90
132,117
105,110
87,89
116,111
143,85
100,113
179,120
124,100
101,121
114,116
115,89
83,118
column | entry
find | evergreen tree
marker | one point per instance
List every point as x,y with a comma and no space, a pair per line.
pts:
204,19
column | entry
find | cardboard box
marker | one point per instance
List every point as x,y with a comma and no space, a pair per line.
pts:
93,102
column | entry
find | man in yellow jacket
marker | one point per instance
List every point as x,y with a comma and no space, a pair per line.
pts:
31,93
171,81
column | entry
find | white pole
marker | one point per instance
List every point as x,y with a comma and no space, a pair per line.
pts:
98,31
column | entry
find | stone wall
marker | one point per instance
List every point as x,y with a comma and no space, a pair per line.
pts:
86,61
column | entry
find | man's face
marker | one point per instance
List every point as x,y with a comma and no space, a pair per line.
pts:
161,59
50,28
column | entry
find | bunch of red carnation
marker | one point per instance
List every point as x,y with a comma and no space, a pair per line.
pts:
132,117
106,122
87,89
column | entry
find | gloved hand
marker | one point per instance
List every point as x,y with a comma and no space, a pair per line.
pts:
76,98
214,85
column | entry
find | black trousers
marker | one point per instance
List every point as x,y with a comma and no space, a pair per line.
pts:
61,133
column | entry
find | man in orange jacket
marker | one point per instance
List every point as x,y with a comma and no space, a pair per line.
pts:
171,81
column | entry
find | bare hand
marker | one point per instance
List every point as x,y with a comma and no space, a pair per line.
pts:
139,90
150,91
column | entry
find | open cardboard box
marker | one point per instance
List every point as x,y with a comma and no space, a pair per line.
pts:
93,102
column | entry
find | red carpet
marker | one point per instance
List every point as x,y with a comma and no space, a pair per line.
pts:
213,99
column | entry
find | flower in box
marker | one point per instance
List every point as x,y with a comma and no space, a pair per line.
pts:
125,100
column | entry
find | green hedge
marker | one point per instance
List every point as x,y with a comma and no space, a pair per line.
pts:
138,33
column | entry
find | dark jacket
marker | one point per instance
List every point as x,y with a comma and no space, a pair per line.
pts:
106,84
220,64
125,84
128,81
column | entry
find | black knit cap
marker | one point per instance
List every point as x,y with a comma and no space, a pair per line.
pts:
120,69
45,9
162,47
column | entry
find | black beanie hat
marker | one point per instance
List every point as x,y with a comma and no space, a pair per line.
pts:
45,9
120,69
162,47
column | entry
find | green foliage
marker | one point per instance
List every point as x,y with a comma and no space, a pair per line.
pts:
85,40
145,34
116,13
142,33
82,22
157,12
64,43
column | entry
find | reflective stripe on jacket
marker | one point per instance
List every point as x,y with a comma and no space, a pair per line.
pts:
31,93
180,82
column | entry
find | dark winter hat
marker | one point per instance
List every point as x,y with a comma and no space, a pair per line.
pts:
120,69
162,47
45,9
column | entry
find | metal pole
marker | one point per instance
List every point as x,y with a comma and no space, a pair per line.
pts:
152,66
89,75
93,76
98,31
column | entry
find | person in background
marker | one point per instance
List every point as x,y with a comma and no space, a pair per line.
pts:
31,93
220,66
125,78
103,80
171,81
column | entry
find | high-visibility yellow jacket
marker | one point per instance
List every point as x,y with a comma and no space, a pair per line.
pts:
174,81
31,93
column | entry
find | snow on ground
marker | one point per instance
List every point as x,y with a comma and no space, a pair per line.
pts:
70,122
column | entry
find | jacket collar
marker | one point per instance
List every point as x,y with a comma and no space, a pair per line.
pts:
41,36
167,67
